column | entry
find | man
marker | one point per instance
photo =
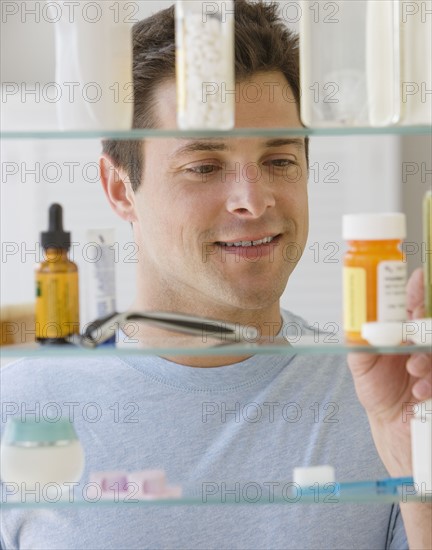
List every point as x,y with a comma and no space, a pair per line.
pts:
196,421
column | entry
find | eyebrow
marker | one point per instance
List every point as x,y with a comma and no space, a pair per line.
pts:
211,145
282,142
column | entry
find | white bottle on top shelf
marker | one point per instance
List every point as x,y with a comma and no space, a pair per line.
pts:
349,63
205,64
93,66
416,62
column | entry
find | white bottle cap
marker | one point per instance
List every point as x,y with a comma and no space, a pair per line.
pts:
383,333
374,227
305,476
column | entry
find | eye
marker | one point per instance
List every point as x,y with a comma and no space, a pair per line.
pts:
203,169
281,163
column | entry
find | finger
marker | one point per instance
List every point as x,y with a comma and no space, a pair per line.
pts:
415,295
420,365
422,389
418,312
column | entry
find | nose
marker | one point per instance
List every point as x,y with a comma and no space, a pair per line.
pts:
250,196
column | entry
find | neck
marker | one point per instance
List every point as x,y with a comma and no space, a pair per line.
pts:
267,321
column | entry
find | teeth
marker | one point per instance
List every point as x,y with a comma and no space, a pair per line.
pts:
249,243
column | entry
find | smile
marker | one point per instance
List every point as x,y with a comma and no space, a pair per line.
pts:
265,240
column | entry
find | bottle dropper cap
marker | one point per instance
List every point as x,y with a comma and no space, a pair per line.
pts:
55,237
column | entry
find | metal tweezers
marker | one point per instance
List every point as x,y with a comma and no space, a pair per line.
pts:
101,330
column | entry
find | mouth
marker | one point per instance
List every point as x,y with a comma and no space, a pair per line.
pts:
250,242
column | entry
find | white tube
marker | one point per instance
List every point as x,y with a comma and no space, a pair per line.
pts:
101,291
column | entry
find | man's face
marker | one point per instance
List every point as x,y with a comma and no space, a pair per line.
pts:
199,197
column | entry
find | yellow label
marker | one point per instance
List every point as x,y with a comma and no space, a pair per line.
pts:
354,297
57,305
427,260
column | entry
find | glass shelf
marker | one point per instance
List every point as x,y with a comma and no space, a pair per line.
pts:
358,492
278,346
236,133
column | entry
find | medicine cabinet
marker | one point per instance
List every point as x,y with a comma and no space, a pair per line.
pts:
41,163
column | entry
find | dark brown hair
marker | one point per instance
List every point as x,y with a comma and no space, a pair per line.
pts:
262,43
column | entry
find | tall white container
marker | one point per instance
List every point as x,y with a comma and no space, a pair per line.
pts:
416,62
421,447
93,66
349,63
205,64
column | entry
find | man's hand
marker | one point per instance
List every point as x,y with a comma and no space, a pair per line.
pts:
385,384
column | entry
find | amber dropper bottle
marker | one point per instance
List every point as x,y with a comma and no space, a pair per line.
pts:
57,294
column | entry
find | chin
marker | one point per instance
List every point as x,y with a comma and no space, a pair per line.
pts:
247,299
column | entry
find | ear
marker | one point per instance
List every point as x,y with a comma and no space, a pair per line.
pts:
118,189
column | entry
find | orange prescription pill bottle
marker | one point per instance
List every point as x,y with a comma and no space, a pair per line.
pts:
374,272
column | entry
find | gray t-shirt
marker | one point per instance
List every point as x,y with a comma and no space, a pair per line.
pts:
232,433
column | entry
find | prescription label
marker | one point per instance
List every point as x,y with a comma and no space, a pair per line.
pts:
391,291
354,298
